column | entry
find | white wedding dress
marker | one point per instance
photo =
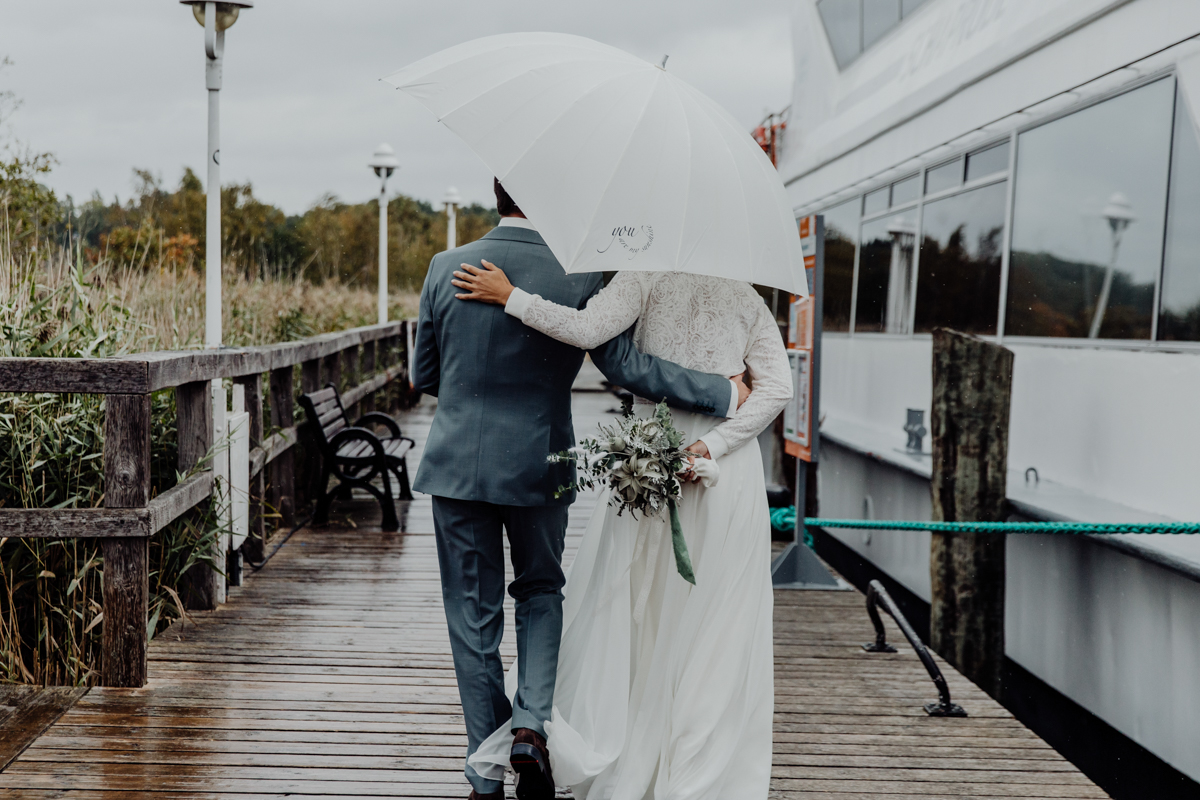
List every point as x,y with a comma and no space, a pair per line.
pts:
665,690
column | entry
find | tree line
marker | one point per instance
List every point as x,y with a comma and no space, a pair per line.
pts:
165,228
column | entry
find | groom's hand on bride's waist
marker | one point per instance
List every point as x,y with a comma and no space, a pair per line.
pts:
743,390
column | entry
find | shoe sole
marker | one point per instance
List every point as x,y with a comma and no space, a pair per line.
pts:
532,783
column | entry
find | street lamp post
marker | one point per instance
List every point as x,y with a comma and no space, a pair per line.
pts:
452,200
1119,213
384,162
216,18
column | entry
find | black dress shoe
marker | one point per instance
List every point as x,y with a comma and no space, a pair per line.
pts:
531,761
489,796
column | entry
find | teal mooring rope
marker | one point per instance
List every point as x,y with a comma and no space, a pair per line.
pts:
1007,527
784,519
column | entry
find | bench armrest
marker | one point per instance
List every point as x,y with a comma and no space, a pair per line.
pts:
381,419
356,433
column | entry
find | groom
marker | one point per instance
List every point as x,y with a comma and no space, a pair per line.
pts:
504,405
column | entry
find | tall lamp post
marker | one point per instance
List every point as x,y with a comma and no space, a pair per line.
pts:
216,18
452,200
1119,213
384,162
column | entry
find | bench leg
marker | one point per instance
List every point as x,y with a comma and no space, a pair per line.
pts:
324,500
402,476
386,504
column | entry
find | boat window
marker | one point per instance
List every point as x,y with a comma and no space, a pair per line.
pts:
1179,317
885,264
944,176
843,25
852,26
906,191
841,238
879,17
987,162
1088,219
875,202
958,280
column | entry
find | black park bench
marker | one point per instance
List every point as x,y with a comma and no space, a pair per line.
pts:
355,454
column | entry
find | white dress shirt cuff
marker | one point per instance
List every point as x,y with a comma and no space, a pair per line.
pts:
733,399
518,303
716,444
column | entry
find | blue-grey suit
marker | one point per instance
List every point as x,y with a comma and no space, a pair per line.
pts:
504,405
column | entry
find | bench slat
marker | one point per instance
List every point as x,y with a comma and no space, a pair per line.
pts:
322,395
355,449
397,448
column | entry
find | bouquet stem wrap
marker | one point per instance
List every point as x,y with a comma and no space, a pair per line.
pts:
683,561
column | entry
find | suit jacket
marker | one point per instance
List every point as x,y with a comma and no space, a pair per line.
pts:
504,389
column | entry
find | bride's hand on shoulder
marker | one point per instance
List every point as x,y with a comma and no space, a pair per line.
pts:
488,285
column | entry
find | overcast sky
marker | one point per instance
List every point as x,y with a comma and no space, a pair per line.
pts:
112,85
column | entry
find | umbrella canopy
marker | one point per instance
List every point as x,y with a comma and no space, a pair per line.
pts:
618,163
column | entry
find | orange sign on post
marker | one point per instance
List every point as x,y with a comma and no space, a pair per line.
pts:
803,345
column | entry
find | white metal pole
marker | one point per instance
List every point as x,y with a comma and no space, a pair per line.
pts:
214,41
451,226
383,254
214,45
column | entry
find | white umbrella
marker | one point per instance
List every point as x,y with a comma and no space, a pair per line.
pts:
618,163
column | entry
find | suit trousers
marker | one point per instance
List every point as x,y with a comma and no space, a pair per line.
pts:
471,557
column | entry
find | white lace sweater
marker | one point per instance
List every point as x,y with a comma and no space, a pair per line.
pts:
713,325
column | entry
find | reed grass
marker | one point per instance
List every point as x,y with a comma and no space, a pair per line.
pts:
60,305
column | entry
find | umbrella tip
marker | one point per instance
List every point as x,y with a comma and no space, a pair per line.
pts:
663,65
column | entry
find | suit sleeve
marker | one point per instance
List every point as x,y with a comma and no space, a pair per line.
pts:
427,357
658,379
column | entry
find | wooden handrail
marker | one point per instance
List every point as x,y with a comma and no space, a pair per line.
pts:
142,373
130,516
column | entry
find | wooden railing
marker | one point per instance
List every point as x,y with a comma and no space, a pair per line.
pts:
129,516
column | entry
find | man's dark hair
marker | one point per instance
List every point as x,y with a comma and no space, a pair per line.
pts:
504,203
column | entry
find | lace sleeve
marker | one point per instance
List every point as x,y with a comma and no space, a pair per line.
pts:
608,313
771,374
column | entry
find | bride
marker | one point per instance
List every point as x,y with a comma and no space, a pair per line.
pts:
665,690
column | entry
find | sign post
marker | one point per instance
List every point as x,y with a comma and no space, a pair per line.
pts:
797,567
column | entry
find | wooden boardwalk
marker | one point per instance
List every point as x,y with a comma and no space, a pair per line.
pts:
329,674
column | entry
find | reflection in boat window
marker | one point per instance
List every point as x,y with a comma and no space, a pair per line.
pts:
958,281
1087,236
841,237
987,162
1180,315
885,274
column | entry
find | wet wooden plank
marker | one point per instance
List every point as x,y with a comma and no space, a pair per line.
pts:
27,712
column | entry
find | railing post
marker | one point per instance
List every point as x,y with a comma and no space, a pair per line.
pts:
126,559
368,371
351,374
393,389
283,468
193,409
332,370
383,359
309,467
254,546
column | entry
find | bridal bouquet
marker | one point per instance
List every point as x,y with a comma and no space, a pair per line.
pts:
638,458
